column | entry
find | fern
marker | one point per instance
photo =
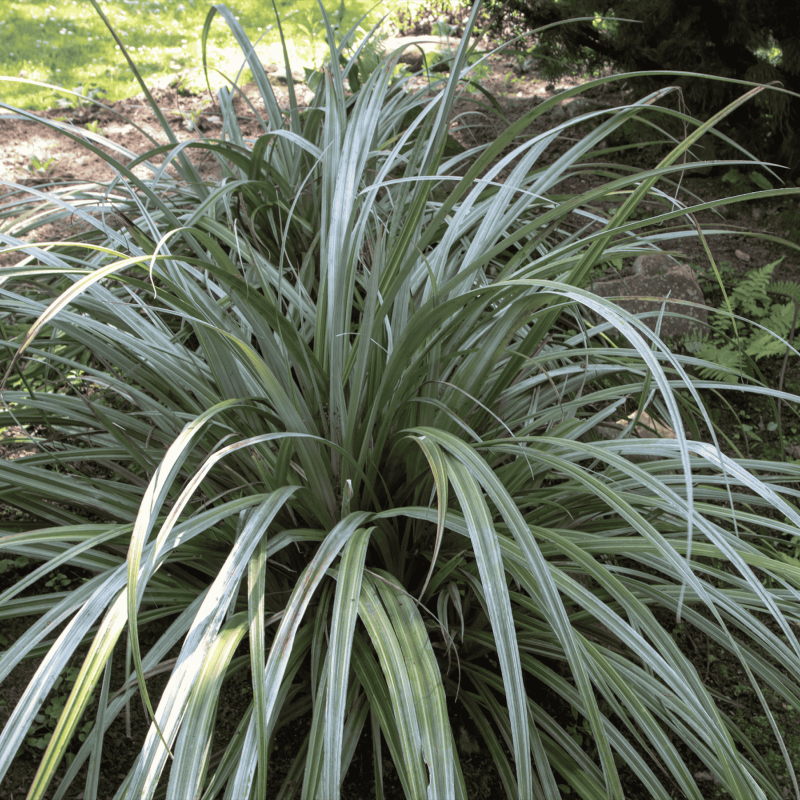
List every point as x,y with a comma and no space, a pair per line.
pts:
726,357
764,342
752,291
789,289
752,298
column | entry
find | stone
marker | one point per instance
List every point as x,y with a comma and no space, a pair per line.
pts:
569,109
415,46
280,77
646,428
706,776
705,149
578,106
467,744
656,276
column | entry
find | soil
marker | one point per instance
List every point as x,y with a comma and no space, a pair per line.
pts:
129,123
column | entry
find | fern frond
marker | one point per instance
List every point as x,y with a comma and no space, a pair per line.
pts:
752,291
726,363
779,323
788,288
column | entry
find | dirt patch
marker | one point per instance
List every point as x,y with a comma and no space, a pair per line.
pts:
132,125
129,127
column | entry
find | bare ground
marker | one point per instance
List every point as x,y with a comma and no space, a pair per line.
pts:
131,124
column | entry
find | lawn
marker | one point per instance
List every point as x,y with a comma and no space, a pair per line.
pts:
66,44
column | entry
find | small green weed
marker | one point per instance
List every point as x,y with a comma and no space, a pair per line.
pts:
86,98
94,127
739,180
41,731
10,564
602,268
191,121
59,582
40,165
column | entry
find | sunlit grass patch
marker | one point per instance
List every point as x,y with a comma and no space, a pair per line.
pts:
66,44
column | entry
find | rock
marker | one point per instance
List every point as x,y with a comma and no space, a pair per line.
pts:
705,150
706,776
656,276
280,77
578,106
569,109
431,46
646,428
741,255
468,745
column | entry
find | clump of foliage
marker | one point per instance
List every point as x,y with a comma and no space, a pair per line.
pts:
755,42
323,420
738,180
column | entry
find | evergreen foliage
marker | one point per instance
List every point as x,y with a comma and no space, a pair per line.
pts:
750,41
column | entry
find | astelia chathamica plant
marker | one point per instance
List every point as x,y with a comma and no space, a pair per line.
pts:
321,419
